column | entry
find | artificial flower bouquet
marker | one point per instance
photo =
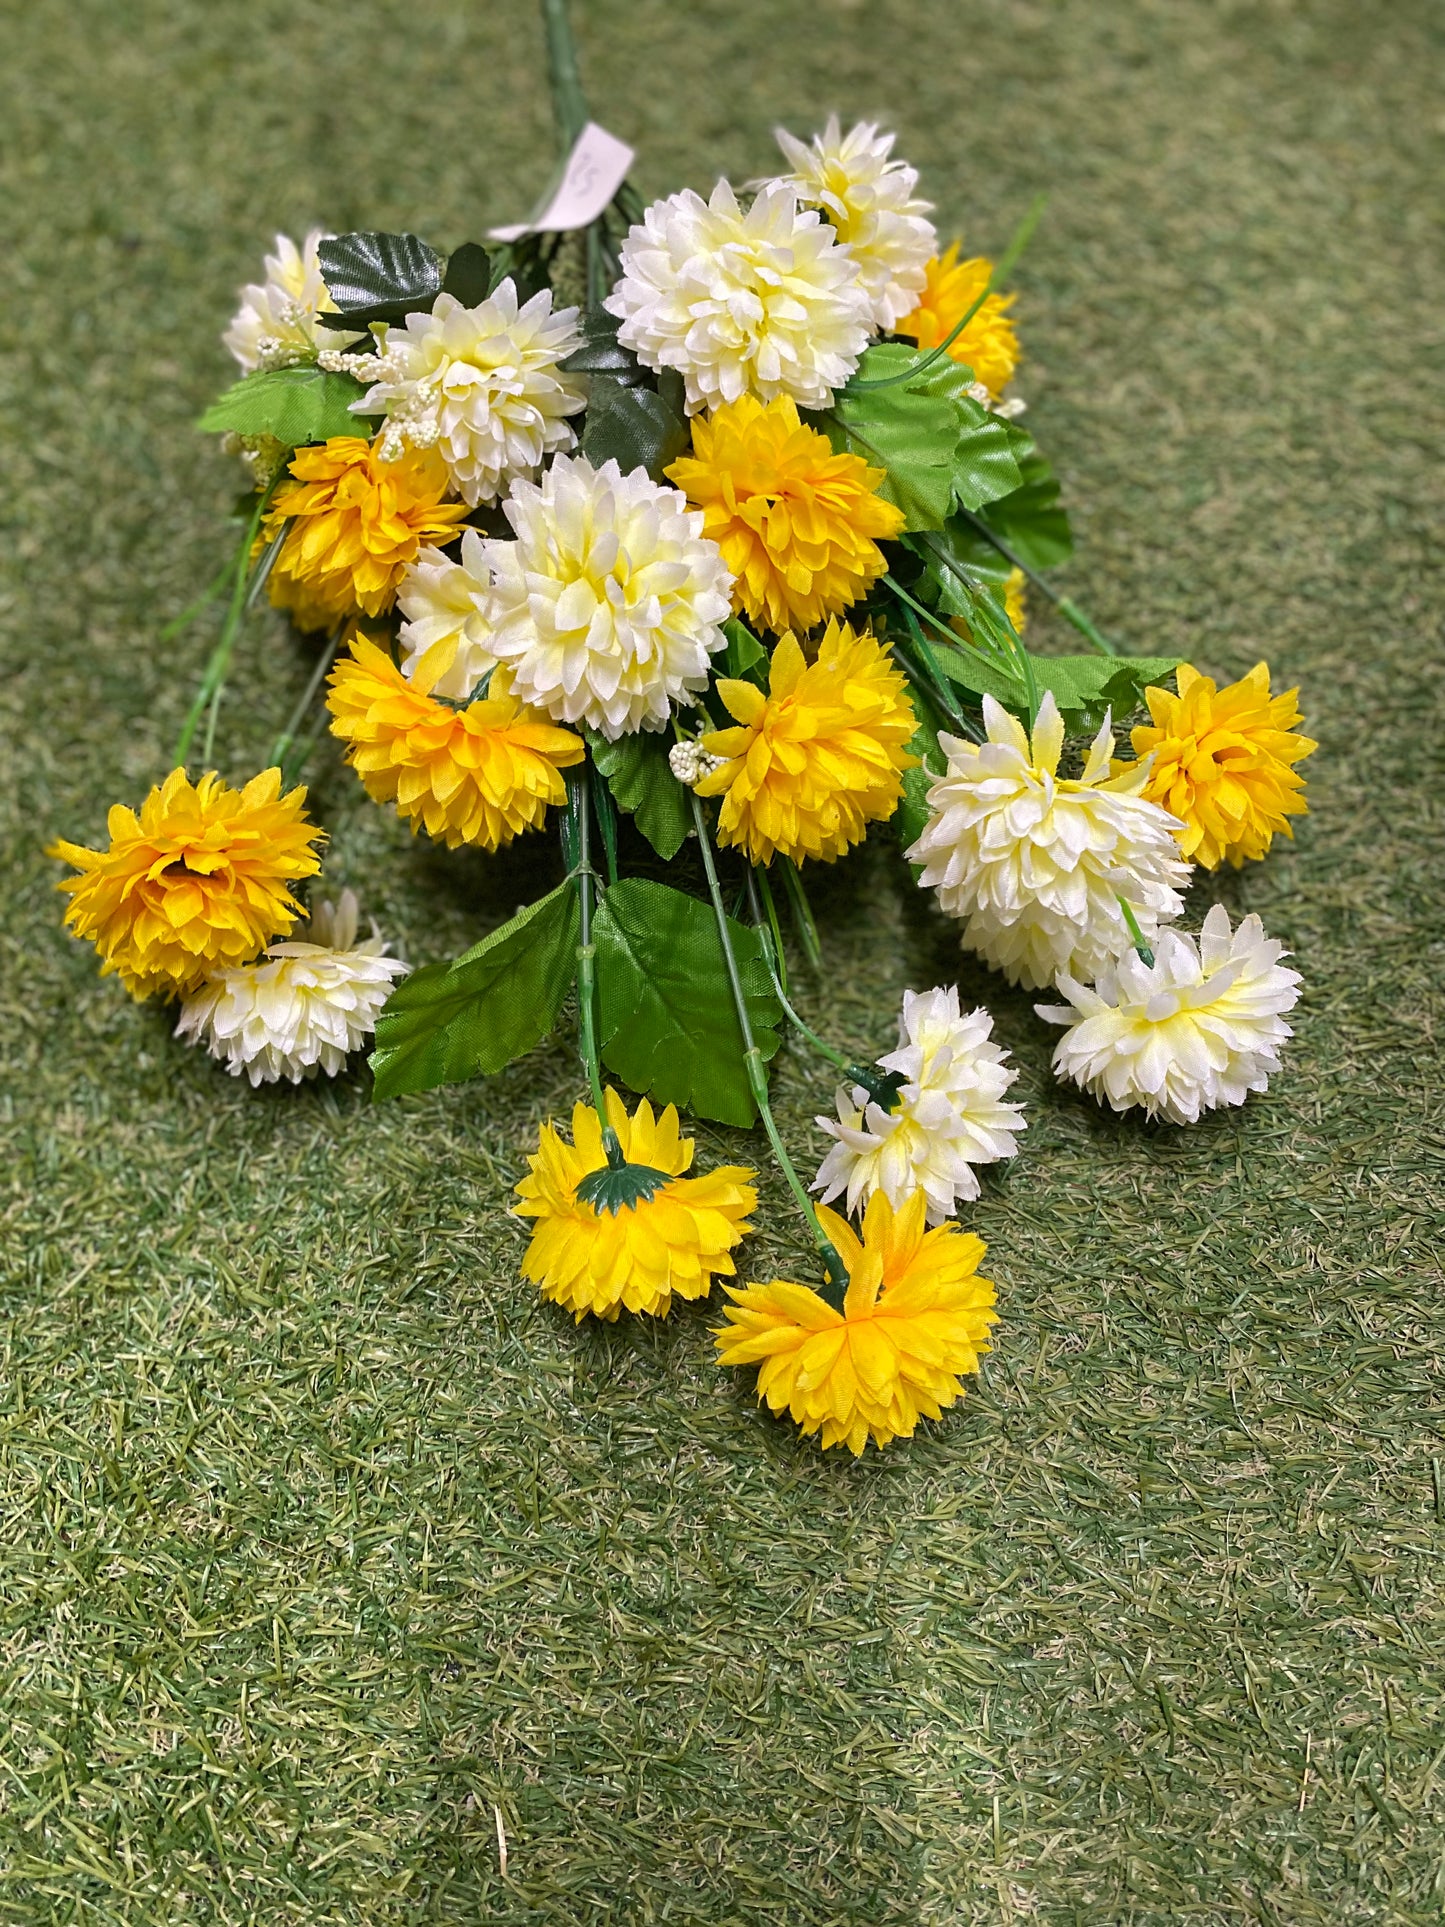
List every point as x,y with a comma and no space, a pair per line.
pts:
713,517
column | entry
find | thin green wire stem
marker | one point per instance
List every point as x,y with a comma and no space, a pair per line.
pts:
771,957
1022,235
1065,605
203,601
242,592
833,1267
308,695
579,805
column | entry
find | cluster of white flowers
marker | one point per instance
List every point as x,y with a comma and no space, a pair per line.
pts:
1034,864
1199,1027
302,1009
870,201
949,1114
481,385
1039,869
608,606
767,302
447,609
278,320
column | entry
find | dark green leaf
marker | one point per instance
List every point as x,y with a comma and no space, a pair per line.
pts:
469,274
1031,520
297,405
636,771
744,652
476,1014
666,1013
602,354
633,427
984,468
379,277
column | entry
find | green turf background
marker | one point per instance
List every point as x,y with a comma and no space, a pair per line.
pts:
326,1548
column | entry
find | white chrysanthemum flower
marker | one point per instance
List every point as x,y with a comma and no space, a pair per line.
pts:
1034,864
765,303
607,606
1200,1027
480,385
277,320
870,202
949,1114
447,608
305,1008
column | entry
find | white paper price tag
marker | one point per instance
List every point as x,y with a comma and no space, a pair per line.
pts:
596,168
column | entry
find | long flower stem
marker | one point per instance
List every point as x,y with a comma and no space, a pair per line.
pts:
308,695
772,957
939,687
569,103
833,1267
579,802
1065,605
245,582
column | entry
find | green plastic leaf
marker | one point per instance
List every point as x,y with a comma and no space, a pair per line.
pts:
469,274
636,771
601,353
634,427
956,558
984,466
473,1016
665,1009
1031,520
744,652
297,405
1084,687
913,429
379,277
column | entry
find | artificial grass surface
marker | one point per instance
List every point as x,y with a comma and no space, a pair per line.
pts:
328,1551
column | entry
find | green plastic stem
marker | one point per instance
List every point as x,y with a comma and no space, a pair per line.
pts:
833,1267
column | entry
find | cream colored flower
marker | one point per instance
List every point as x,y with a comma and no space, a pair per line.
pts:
608,605
949,1114
305,1007
447,606
1033,864
765,303
1199,1028
481,385
277,320
870,201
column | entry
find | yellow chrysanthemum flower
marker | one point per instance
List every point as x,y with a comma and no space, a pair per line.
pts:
200,879
1222,763
988,344
818,758
798,526
357,523
479,774
637,1258
915,1318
